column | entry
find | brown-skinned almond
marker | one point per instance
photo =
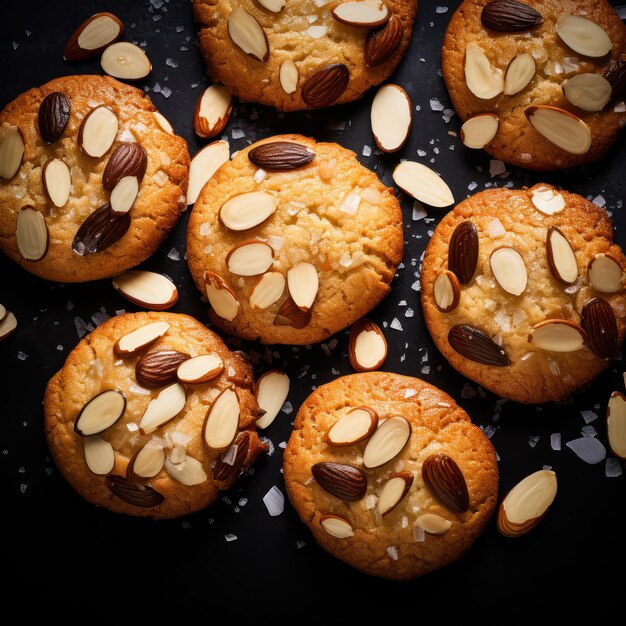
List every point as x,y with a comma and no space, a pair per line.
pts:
100,230
31,234
600,324
157,368
356,425
223,470
128,159
325,86
560,127
336,526
200,369
140,338
100,413
362,13
247,34
147,289
509,16
393,492
134,493
12,150
561,258
463,252
97,131
212,111
615,73
616,424
147,462
281,155
605,274
446,291
93,36
290,315
367,346
381,44
445,480
343,481
391,117
57,181
54,113
221,421
222,297
475,345
557,335
387,441
164,408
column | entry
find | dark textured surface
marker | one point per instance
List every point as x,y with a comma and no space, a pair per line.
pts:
55,544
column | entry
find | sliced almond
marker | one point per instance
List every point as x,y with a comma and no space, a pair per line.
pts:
526,504
147,461
336,526
520,72
275,6
11,150
203,165
99,455
548,200
583,36
605,274
303,283
147,289
367,346
356,425
57,181
433,524
200,369
446,291
190,472
7,325
362,13
97,131
100,413
561,257
213,111
141,338
222,298
589,92
93,36
247,210
391,117
125,60
289,76
165,407
124,194
393,491
560,127
423,184
268,290
163,123
616,424
387,442
290,315
271,392
509,270
222,421
31,234
557,336
246,33
483,80
3,312
250,258
479,130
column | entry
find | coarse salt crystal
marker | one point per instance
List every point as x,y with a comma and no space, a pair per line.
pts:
160,178
316,31
436,105
419,212
173,254
372,195
140,390
418,533
589,416
533,440
259,175
588,449
230,537
495,228
613,468
392,552
555,441
395,324
588,431
409,393
274,501
496,167
351,203
367,151
370,501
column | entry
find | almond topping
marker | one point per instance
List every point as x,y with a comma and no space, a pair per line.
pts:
557,335
509,270
509,16
100,230
212,111
605,274
163,123
479,130
303,284
11,150
445,480
561,257
548,200
147,462
203,165
99,455
275,6
57,181
362,13
393,492
189,472
93,36
100,413
147,289
222,421
483,80
247,210
97,131
367,347
165,407
391,117
387,442
382,43
289,76
271,392
268,290
290,315
336,526
520,72
126,61
250,258
158,367
423,184
136,494
600,324
8,324
124,194
141,338
583,36
562,128
433,524
589,92
616,424
354,426
463,251
222,298
475,345
446,291
54,113
200,369
31,234
246,33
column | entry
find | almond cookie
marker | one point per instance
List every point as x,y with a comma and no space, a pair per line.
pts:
538,83
523,291
152,415
300,55
91,178
293,240
389,474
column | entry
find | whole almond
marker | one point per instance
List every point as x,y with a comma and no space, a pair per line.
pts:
615,73
223,470
133,493
598,321
281,155
463,252
445,479
290,315
158,367
326,86
382,43
100,230
343,481
473,344
509,16
128,159
54,113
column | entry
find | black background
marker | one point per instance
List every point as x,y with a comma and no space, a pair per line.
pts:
65,556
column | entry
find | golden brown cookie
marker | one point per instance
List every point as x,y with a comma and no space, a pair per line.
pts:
517,62
293,240
101,182
175,445
386,505
296,55
522,291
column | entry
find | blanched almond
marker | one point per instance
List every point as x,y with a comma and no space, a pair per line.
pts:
336,526
391,117
589,92
479,130
31,234
163,123
520,72
268,290
289,76
393,491
99,455
561,257
446,291
423,184
8,324
362,13
560,127
93,36
303,283
165,407
606,274
100,413
583,36
509,270
616,424
97,131
203,165
387,442
548,200
141,338
433,524
57,181
147,461
222,421
222,298
213,111
125,60
367,346
557,335
190,472
200,369
246,33
482,79
147,289
247,210
11,150
275,6
250,258
271,392
356,425
124,194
